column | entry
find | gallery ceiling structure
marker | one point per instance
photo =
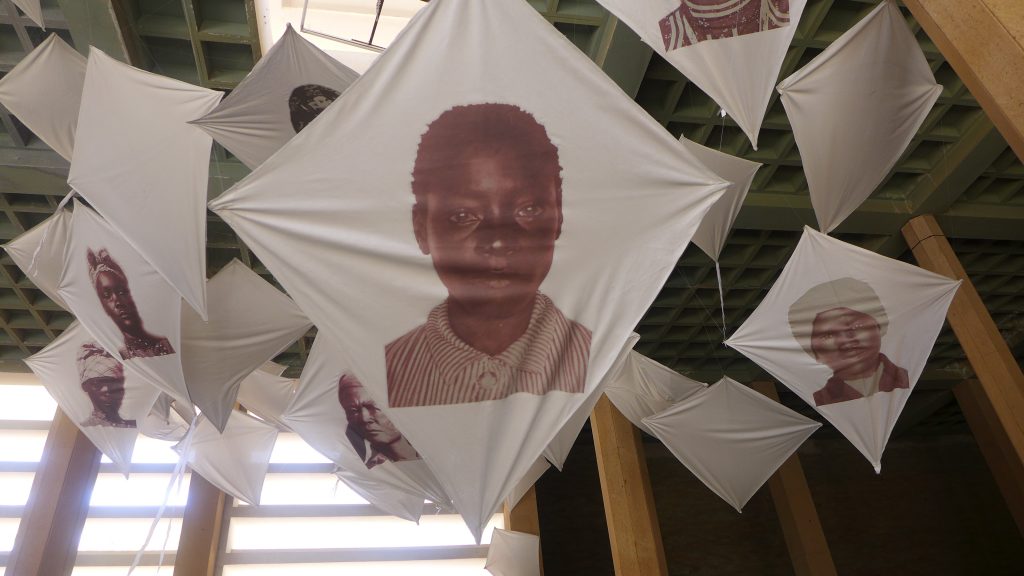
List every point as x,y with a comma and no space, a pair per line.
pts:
957,168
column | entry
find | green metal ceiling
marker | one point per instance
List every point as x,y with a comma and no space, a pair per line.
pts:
958,167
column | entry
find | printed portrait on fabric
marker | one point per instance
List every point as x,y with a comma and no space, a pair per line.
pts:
699,20
847,338
102,379
111,285
373,436
487,183
307,101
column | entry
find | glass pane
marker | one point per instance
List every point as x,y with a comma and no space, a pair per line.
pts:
151,451
15,487
22,445
317,488
467,567
138,490
291,448
354,532
8,530
26,402
127,534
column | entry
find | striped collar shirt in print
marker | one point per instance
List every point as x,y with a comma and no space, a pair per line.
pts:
699,20
431,366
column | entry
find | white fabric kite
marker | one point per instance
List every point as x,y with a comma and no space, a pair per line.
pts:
45,91
644,387
714,229
731,437
285,91
558,449
849,332
96,393
163,422
336,414
145,169
540,466
250,322
384,496
854,109
33,9
731,49
39,253
483,333
236,460
513,554
123,302
273,368
267,395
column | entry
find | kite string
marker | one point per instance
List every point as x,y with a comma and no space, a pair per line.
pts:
176,478
721,297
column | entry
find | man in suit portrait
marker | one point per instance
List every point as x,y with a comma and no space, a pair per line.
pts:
487,183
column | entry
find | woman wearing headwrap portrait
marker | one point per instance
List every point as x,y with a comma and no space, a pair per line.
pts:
841,324
111,285
102,378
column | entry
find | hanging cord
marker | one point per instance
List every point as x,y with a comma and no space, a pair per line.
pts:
721,297
176,478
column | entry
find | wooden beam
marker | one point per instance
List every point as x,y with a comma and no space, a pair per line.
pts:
984,43
1000,378
523,518
808,549
628,500
200,529
995,446
47,539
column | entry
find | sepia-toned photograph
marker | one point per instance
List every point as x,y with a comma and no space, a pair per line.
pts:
488,211
699,20
375,438
847,339
111,285
102,379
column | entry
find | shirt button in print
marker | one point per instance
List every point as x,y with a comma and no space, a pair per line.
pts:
487,380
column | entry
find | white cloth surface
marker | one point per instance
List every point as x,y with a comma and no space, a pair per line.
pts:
145,169
644,387
384,496
731,437
33,9
235,460
39,253
345,248
526,482
854,109
45,92
267,395
825,281
513,554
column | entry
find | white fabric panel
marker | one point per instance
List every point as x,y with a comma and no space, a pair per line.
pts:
540,466
370,446
644,387
848,331
267,395
39,253
282,93
45,91
273,368
513,554
93,389
250,322
236,460
737,64
731,437
33,9
123,302
854,109
384,496
347,251
714,229
145,169
162,422
558,449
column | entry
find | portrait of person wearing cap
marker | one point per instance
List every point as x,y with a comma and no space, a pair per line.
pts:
487,183
102,378
368,424
111,285
307,101
841,324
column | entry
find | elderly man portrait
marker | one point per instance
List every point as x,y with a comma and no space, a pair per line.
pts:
368,425
111,285
102,379
488,209
841,325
